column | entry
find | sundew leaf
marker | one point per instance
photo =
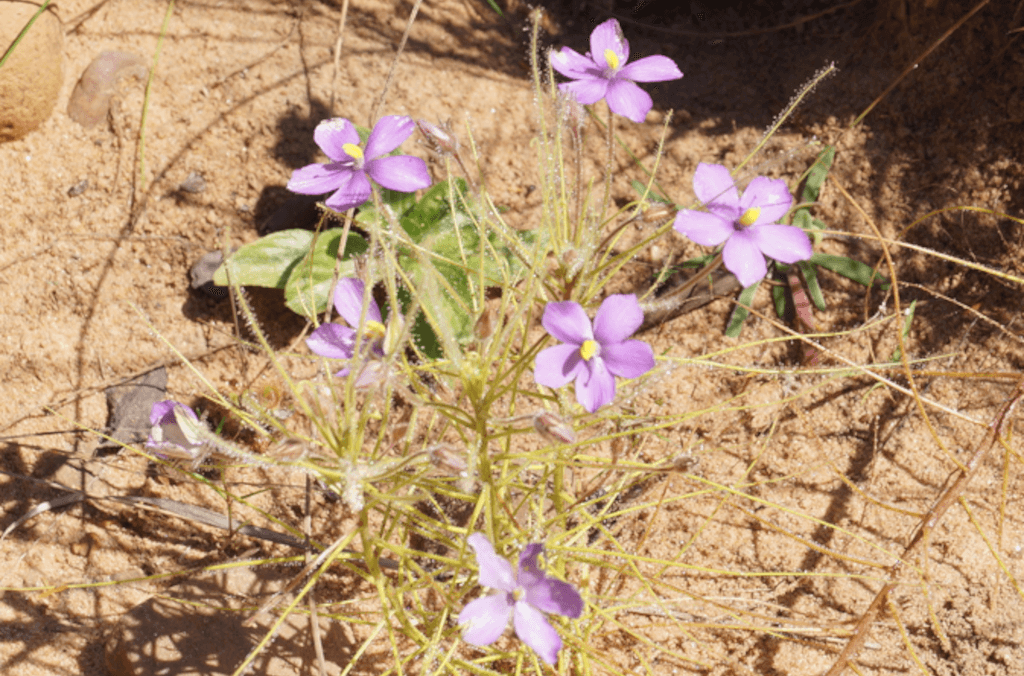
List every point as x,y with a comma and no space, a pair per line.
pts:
850,268
740,312
267,262
307,290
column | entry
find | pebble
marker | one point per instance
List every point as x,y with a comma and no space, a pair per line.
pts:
31,79
201,275
78,188
194,183
90,101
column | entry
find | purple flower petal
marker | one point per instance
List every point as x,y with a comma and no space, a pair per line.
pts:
162,411
554,596
587,90
617,319
403,173
629,359
495,571
770,196
533,629
743,258
714,186
595,386
703,228
485,619
785,243
316,179
567,322
332,134
608,35
353,191
557,366
348,301
628,100
571,63
170,421
529,573
332,341
655,68
389,133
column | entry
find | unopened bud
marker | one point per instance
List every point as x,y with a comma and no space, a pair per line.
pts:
444,458
553,428
572,112
488,319
440,136
657,212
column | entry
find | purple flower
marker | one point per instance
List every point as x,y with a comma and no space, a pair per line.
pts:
335,341
346,173
173,429
748,224
603,72
593,355
524,597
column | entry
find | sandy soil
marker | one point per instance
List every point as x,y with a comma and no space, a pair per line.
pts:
834,473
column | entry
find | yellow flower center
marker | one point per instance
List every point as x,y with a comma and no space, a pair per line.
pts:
373,330
353,150
588,349
612,58
518,594
750,216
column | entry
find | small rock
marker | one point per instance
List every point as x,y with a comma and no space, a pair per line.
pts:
90,100
194,183
30,81
78,188
201,275
129,405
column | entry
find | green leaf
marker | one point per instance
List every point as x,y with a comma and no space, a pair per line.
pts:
813,288
267,262
817,174
779,293
453,253
307,291
740,312
850,268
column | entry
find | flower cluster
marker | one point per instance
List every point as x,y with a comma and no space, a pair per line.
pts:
593,354
523,598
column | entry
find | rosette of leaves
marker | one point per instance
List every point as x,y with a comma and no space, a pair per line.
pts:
448,256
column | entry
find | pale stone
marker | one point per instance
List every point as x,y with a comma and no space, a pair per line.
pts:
31,78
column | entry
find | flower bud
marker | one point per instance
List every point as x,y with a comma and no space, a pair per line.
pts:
553,428
440,135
